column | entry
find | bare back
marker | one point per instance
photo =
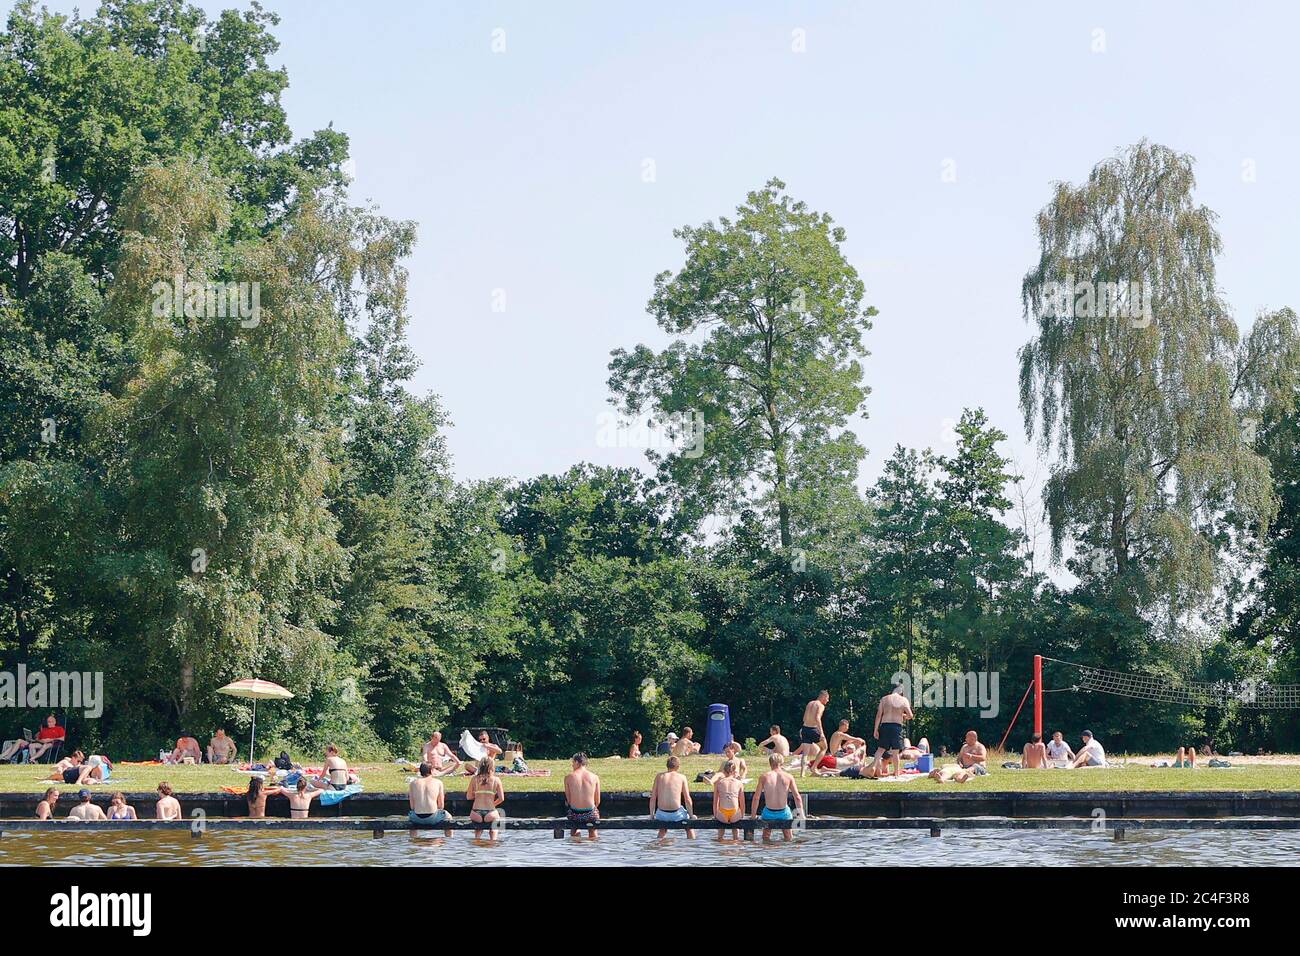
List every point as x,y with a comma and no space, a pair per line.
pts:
582,789
894,709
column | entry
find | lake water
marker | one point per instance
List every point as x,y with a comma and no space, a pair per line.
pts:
641,848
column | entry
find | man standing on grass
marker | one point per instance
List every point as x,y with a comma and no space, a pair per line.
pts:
892,712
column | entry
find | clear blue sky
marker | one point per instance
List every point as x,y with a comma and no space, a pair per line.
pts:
524,172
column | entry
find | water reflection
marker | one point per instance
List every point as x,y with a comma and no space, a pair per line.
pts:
632,848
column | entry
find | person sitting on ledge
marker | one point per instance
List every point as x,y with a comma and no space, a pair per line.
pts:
427,798
670,798
582,796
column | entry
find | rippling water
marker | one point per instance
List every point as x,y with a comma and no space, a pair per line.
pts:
639,848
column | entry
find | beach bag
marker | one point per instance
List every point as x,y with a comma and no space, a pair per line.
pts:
283,762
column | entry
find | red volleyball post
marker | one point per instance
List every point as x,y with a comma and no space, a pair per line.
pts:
1038,693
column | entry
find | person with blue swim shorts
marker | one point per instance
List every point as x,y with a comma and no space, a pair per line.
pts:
670,798
776,787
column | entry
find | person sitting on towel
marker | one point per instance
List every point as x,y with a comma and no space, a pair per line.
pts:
441,758
336,770
186,746
1059,752
221,749
486,743
1034,756
686,746
973,754
1091,754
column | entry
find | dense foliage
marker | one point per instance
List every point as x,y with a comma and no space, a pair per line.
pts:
190,496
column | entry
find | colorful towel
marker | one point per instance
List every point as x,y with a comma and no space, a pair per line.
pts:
330,797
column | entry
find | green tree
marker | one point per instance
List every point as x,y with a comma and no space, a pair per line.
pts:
767,319
1131,378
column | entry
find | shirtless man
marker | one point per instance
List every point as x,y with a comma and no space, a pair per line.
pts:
85,810
811,736
732,752
437,754
891,713
186,746
300,800
582,796
776,786
776,742
45,809
491,749
842,737
1034,756
167,807
686,745
973,754
670,798
221,749
427,798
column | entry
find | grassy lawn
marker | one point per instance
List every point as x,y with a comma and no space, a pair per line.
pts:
636,776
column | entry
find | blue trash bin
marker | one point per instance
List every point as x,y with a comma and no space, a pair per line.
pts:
717,730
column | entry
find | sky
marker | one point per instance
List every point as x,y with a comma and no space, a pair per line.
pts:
548,150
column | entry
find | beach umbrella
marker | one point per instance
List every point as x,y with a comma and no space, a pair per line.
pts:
254,689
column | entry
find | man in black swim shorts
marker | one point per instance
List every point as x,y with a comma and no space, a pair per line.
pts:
891,714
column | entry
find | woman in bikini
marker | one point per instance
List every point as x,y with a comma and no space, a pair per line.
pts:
485,794
300,800
634,752
119,810
258,791
728,799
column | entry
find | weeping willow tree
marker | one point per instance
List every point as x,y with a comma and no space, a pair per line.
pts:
1136,379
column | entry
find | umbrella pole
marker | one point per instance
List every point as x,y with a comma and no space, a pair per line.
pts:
253,736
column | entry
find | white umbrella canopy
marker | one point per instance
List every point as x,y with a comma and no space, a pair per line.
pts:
255,689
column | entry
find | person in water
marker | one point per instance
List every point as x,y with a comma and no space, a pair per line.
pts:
729,799
301,798
258,791
427,798
167,807
670,798
775,788
582,796
45,809
485,794
119,809
85,811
